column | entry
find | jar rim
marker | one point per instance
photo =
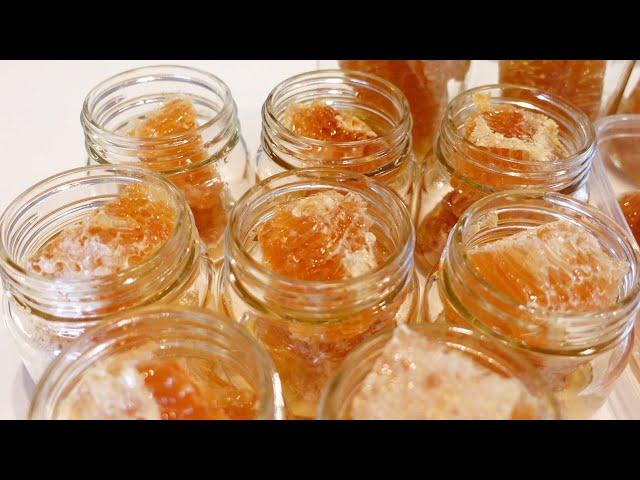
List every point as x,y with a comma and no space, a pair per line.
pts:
478,209
178,71
581,120
269,117
154,320
399,255
448,335
44,188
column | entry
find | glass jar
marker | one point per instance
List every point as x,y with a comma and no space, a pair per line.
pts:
309,326
386,158
428,86
209,163
459,172
618,139
593,86
339,392
580,355
43,314
197,338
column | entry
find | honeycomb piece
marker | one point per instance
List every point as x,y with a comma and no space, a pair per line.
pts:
138,385
323,122
514,132
415,378
202,186
558,267
322,237
185,390
581,82
424,83
630,205
118,235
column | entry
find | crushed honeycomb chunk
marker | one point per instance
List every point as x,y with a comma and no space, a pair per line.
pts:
320,121
325,236
116,236
113,389
630,205
202,186
415,378
558,267
139,385
424,83
514,132
337,128
581,82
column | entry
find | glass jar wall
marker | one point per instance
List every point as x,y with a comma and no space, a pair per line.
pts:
91,242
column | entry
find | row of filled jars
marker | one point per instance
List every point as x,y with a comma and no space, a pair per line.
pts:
317,264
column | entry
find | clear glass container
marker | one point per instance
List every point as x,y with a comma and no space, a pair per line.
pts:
339,392
427,84
594,86
208,163
459,172
213,350
43,313
308,326
382,107
618,139
580,355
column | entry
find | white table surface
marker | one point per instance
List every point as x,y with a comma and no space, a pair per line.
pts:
40,134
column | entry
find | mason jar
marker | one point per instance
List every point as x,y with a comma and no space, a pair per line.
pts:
43,312
579,354
309,326
204,156
387,157
209,369
460,173
347,382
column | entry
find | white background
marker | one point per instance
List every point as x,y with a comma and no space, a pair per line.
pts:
40,134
